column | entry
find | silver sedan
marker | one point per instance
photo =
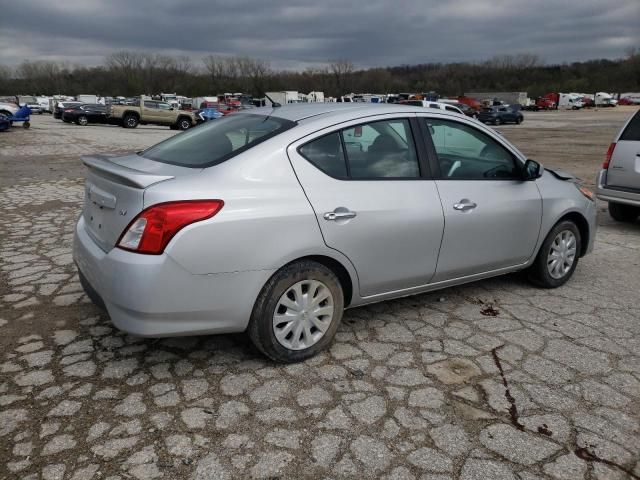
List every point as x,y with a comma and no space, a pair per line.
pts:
274,221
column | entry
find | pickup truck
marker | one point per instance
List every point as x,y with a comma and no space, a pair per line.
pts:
152,112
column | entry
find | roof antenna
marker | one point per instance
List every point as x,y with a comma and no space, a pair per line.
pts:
273,104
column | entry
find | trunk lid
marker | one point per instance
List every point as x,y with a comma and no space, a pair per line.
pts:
114,192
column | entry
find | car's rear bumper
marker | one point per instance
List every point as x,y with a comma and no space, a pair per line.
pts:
154,296
617,195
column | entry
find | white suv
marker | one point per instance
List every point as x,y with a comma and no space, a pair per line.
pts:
619,180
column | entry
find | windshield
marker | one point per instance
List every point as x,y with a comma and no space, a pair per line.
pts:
216,141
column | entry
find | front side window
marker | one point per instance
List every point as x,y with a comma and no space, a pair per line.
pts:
465,153
214,142
376,150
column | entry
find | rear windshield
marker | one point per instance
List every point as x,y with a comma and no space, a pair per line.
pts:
217,140
632,132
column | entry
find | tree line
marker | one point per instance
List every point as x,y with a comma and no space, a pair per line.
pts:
130,73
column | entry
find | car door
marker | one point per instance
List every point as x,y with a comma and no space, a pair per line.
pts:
492,217
166,113
374,202
150,111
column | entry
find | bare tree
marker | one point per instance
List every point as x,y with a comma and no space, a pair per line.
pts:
342,71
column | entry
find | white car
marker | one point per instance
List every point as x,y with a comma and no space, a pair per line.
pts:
430,104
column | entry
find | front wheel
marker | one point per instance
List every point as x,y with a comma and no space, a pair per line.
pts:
518,121
297,312
558,256
26,125
623,213
497,121
82,120
184,124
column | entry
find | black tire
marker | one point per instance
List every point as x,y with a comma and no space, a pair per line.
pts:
623,213
82,120
497,121
26,125
261,330
130,121
538,273
183,123
518,121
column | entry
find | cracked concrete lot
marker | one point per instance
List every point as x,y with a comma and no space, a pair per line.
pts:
491,380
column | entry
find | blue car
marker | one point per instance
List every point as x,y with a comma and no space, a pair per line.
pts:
206,114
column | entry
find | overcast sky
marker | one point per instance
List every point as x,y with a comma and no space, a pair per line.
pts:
301,33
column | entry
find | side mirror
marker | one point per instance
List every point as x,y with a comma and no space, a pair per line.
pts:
531,170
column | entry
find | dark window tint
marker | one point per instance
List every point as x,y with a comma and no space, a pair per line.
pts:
382,149
214,142
451,109
466,153
150,104
632,132
326,154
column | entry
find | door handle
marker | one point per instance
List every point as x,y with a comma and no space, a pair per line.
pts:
339,215
464,205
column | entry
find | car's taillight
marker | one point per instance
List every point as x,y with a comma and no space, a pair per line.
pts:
153,228
607,159
68,110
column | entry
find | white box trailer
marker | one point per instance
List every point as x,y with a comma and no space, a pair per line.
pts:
316,97
84,98
573,101
283,98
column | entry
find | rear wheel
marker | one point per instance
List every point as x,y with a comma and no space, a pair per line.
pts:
297,312
622,212
130,121
26,125
558,256
82,120
497,121
518,120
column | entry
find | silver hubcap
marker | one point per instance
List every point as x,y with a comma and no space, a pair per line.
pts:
562,254
303,314
83,121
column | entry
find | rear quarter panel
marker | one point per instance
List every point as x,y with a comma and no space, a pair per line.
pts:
265,223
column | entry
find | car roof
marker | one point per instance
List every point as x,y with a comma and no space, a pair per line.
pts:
302,111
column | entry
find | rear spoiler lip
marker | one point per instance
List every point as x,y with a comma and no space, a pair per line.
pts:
126,175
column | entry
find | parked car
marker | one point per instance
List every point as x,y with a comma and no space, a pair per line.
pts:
500,114
8,109
275,220
430,104
61,106
86,114
619,180
205,114
153,112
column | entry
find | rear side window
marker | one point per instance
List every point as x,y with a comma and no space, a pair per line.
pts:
632,132
326,153
376,150
214,142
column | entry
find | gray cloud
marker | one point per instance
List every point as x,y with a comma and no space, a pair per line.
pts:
295,34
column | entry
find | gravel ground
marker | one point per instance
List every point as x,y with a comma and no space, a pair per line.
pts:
492,380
